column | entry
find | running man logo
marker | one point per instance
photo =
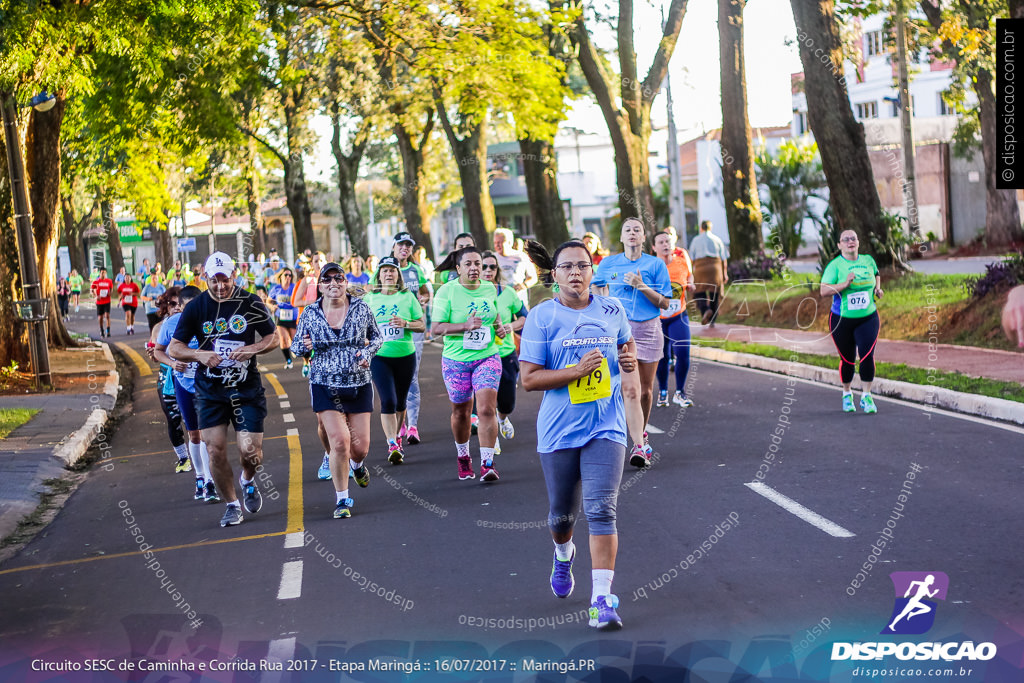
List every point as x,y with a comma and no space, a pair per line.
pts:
914,610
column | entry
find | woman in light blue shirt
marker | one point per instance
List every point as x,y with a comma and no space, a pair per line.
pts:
575,348
642,285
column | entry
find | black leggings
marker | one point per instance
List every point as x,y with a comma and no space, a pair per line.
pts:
507,385
853,337
392,377
175,426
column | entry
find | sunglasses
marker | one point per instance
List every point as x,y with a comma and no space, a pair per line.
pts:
327,279
487,266
175,302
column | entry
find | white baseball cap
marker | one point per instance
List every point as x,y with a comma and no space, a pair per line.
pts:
219,262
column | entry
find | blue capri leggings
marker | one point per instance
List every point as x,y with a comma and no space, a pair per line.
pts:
596,468
677,341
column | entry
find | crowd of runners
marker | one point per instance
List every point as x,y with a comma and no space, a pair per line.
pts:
607,328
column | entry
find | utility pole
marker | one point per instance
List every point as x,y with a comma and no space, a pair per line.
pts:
906,124
31,288
677,211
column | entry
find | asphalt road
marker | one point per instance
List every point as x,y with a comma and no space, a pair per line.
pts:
717,578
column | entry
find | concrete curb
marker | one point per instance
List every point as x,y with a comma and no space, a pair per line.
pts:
72,449
929,396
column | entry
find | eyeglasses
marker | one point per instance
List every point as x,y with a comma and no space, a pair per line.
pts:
327,279
489,267
174,303
848,239
567,268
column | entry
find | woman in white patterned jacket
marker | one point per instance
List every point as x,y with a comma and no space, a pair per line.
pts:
338,332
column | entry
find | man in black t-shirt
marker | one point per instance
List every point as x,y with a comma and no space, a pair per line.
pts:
225,320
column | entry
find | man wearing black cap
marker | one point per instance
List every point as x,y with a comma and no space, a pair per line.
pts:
415,281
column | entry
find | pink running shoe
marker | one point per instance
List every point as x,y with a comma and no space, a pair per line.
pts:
466,468
414,435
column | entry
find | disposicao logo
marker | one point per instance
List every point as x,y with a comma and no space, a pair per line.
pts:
914,610
913,613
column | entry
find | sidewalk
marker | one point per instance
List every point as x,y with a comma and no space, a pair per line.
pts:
60,434
1007,366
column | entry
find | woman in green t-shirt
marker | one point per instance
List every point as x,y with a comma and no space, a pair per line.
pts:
398,314
466,314
852,280
513,310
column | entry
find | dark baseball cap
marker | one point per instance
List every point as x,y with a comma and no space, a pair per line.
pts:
404,237
389,261
328,267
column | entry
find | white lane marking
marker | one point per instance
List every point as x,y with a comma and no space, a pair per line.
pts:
291,580
790,505
282,396
651,429
294,540
286,404
288,417
280,650
292,432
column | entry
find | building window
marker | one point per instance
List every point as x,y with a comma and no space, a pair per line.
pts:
867,110
872,43
945,109
800,121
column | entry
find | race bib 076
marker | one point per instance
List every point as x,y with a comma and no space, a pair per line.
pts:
858,301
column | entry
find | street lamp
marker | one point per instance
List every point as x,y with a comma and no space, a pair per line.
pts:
33,309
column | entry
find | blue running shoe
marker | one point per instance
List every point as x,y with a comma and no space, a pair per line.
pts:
252,499
603,615
324,472
562,582
867,404
848,406
344,508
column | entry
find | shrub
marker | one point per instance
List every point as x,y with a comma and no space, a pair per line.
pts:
998,276
761,266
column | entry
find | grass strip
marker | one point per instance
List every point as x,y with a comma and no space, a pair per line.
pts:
955,381
12,418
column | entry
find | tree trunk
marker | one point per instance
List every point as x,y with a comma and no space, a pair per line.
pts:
1017,9
162,241
540,169
414,194
298,204
630,124
42,166
844,156
113,236
13,334
742,205
72,233
1002,215
252,200
295,190
348,174
471,154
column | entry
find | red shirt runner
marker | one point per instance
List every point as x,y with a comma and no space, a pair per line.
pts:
128,292
102,289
